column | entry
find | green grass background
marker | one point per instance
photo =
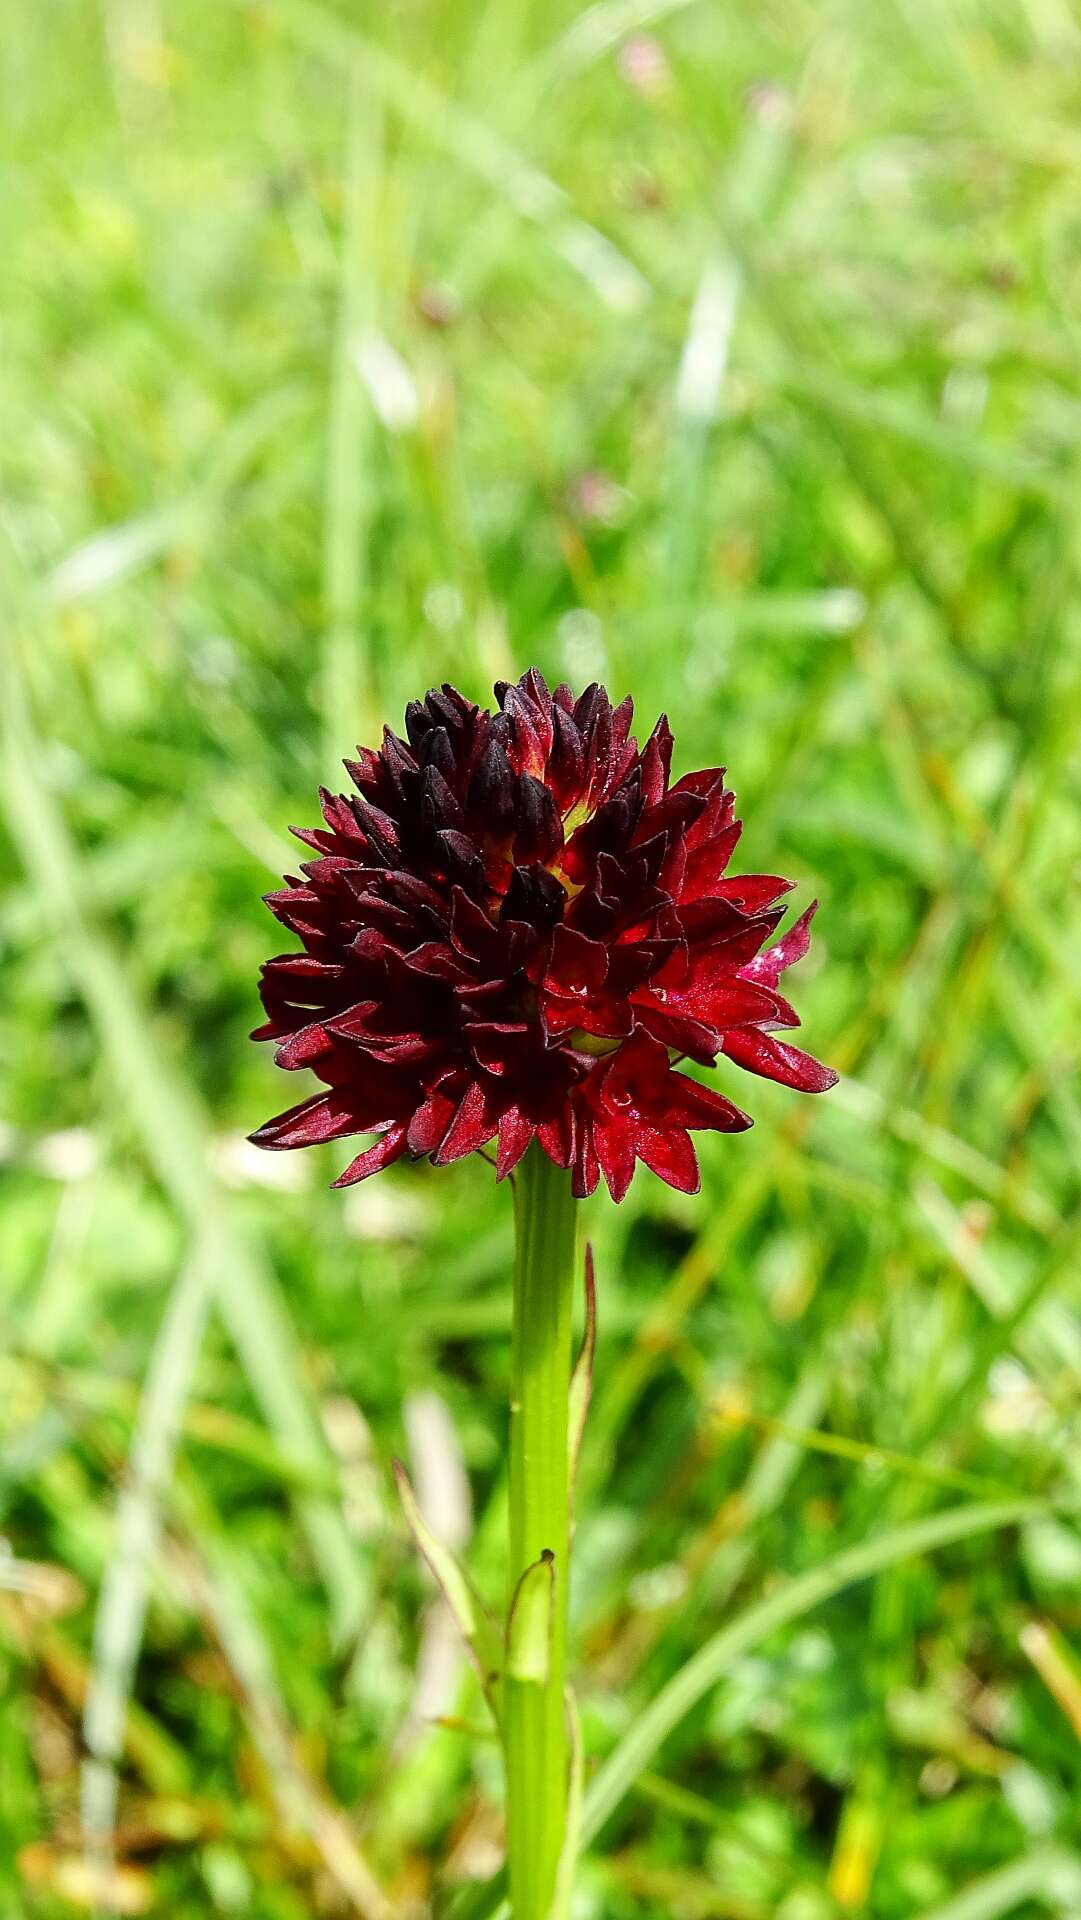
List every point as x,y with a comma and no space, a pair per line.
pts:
729,353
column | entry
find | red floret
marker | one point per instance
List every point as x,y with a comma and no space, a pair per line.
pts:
512,931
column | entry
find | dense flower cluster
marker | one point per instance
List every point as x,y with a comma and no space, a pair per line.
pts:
512,931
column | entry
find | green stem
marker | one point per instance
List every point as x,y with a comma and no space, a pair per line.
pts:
535,1736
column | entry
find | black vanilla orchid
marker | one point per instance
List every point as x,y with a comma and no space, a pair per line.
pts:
516,928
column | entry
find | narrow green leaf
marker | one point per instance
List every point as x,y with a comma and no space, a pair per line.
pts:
214,1574
472,1618
581,1387
1047,1873
560,1908
748,1629
345,669
474,146
529,1629
712,1661
165,1108
122,1604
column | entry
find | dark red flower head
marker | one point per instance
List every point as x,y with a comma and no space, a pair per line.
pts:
515,932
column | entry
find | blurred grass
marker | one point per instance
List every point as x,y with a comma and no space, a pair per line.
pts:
729,354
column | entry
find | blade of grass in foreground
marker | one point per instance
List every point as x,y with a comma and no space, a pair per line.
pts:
346,668
1047,1873
477,148
167,1114
709,1665
213,1573
121,1610
129,547
806,1590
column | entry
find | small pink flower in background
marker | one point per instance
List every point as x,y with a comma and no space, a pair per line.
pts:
643,64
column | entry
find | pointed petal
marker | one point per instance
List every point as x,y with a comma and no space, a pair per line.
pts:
557,1136
754,892
326,1116
707,863
615,1151
657,762
776,1060
767,967
587,1169
515,1134
472,1125
689,1104
669,1152
430,1122
678,1031
301,1048
385,1151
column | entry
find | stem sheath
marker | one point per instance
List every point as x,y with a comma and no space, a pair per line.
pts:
535,1736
